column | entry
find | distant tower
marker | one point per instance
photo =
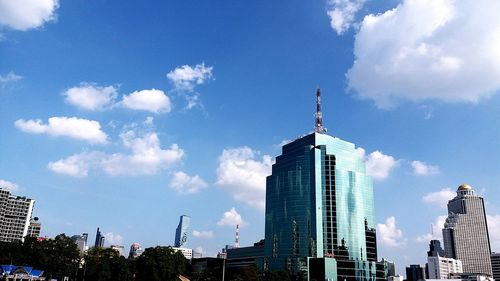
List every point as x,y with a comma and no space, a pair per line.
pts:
99,239
181,232
318,124
237,239
465,232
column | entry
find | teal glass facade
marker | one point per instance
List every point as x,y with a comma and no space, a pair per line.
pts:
319,205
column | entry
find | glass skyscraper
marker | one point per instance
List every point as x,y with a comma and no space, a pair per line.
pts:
465,232
319,211
181,232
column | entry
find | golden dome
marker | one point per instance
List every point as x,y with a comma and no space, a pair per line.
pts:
464,187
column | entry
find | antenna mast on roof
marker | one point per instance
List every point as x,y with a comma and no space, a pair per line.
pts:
318,126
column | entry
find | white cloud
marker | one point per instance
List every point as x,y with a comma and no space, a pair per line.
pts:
183,183
439,198
149,100
10,186
422,169
9,77
203,234
342,13
437,231
146,157
389,234
494,231
422,50
26,14
113,239
72,127
231,218
186,77
77,165
378,165
244,176
89,96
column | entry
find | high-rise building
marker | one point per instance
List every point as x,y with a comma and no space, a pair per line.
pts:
319,210
415,272
495,265
465,232
99,239
435,249
438,266
81,241
34,228
15,216
135,251
181,232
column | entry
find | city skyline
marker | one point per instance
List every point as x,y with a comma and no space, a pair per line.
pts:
111,112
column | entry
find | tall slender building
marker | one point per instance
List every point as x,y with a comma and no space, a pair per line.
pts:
465,232
99,239
319,210
181,232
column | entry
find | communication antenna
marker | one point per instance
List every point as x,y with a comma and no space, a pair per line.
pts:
318,124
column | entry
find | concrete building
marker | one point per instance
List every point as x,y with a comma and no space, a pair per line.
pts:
34,228
188,253
242,257
441,268
415,272
135,251
319,210
471,277
15,216
495,265
181,233
120,249
81,241
395,278
465,232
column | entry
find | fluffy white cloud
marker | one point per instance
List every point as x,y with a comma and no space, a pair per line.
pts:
186,77
8,185
149,100
203,234
422,169
342,13
77,165
72,127
422,50
183,183
26,14
494,231
231,218
244,176
9,77
439,198
146,157
378,165
89,96
437,231
389,234
113,239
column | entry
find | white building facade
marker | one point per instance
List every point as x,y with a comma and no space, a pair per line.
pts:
441,268
15,216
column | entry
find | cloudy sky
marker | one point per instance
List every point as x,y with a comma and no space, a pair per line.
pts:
127,114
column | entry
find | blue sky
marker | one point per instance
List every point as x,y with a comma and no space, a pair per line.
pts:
125,115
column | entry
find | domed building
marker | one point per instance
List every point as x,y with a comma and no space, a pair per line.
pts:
465,233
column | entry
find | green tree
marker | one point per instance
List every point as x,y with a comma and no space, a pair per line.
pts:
160,264
105,264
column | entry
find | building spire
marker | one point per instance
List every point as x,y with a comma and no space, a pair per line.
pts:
318,126
237,239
